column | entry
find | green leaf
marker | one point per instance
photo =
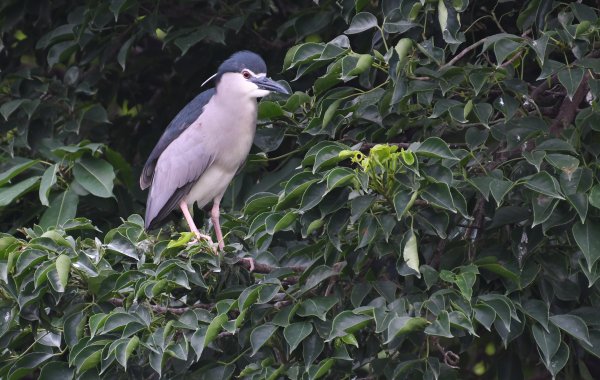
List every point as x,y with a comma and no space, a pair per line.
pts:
123,352
434,147
537,310
483,111
438,194
317,276
559,360
116,320
572,325
124,50
116,6
316,306
544,183
259,202
535,158
352,66
347,322
501,307
295,333
547,341
321,369
27,364
563,162
403,201
441,326
327,156
333,107
48,180
63,268
213,329
339,177
269,110
302,53
8,194
7,108
56,370
579,202
539,46
74,328
311,348
95,175
475,137
587,237
571,78
260,335
278,222
594,196
485,315
503,48
404,325
96,113
543,207
410,254
359,205
499,188
203,32
367,230
360,22
89,358
7,175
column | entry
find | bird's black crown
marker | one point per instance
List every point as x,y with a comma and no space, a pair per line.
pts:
242,60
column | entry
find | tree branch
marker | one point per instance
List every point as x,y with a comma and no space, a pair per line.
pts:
460,55
568,108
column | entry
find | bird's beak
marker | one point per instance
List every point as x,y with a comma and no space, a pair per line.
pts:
269,84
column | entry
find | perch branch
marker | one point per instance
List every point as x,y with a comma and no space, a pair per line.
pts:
568,108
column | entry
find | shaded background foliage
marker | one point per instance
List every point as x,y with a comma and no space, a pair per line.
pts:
466,245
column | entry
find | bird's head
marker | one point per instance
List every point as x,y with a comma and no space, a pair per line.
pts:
245,72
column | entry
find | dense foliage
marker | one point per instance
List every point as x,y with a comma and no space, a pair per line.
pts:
425,205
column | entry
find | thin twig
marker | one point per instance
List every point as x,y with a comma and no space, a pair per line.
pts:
464,52
514,58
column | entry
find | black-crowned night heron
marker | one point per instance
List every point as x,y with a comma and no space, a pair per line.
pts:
206,143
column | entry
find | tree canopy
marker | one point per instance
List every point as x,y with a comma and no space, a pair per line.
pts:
425,205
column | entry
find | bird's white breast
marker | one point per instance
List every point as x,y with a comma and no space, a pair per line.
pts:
229,124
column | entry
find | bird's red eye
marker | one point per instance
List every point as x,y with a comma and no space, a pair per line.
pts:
246,74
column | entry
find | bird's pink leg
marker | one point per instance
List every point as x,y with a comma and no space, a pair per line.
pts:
214,216
190,222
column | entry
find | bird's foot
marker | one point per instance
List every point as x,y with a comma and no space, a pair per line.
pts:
250,262
207,238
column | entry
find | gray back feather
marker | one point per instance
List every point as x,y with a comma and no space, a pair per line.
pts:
177,170
176,127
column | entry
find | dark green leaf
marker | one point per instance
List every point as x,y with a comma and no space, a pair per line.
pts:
8,194
434,147
587,237
572,325
296,332
260,335
570,78
48,180
362,21
95,175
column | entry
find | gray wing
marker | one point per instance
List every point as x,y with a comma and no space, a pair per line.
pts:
176,171
176,127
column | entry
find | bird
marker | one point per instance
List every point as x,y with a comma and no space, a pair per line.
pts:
206,143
